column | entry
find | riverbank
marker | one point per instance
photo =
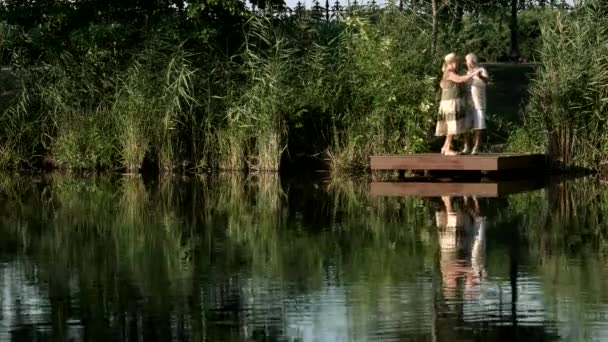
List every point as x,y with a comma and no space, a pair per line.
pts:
170,90
255,91
507,93
276,99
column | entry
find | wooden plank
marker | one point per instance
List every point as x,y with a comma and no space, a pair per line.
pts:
437,189
436,161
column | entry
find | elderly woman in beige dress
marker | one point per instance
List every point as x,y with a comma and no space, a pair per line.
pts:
452,118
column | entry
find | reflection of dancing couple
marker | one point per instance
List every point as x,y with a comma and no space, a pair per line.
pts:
462,242
463,103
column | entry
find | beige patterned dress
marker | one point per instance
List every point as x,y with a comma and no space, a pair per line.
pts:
452,118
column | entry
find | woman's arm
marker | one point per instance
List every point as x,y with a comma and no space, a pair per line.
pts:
454,77
483,75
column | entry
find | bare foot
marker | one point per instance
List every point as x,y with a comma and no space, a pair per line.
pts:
450,153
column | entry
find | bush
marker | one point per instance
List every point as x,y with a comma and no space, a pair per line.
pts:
392,96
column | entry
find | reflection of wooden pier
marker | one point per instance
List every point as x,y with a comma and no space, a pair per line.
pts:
436,189
436,161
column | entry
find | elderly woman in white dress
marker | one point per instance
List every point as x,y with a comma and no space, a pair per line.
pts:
476,102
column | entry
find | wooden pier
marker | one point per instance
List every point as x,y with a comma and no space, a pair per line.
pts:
437,189
436,162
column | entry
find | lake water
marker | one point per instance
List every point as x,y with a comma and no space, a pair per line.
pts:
229,258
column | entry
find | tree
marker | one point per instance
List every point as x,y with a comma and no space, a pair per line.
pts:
434,32
269,4
514,46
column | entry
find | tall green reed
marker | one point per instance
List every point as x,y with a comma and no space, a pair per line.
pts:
334,90
567,112
391,92
255,127
90,114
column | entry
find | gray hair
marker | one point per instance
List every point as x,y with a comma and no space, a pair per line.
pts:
473,58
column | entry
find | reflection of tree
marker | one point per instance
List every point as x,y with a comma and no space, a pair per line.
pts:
201,259
564,230
233,258
459,310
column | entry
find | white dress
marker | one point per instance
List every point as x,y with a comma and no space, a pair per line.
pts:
477,99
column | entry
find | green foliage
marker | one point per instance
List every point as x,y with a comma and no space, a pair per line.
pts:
530,23
216,85
569,95
488,34
392,108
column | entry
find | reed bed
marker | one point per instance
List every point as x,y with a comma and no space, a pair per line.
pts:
567,114
333,90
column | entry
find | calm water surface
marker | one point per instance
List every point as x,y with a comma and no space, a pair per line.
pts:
229,258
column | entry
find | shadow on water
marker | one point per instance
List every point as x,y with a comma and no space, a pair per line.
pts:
260,258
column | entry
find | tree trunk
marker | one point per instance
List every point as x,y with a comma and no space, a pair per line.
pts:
459,13
434,32
514,49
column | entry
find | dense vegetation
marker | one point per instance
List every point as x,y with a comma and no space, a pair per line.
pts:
201,85
568,110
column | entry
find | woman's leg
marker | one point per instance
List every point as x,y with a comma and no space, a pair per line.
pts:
447,203
480,124
467,143
477,146
476,206
448,145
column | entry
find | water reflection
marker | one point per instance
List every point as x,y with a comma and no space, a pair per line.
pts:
231,258
462,244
